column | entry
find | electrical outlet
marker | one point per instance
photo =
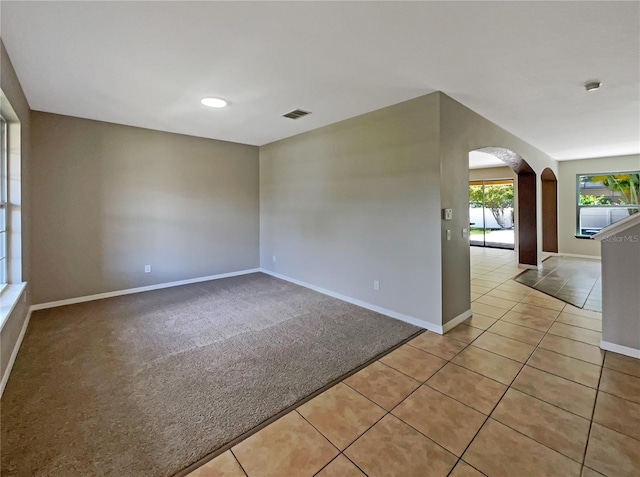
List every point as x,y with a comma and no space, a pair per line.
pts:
274,258
147,269
376,285
465,233
448,234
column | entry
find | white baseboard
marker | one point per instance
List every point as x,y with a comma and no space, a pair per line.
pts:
530,267
383,311
128,291
575,255
14,353
616,348
457,320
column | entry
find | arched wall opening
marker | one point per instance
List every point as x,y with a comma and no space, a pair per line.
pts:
527,238
549,211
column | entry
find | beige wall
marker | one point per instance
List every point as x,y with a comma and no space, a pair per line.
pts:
361,200
462,131
13,91
358,201
567,242
109,199
487,173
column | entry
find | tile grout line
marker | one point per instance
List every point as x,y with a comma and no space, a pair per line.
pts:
541,400
386,412
507,387
593,413
460,459
412,376
550,403
558,376
425,383
341,452
319,432
238,461
604,425
390,412
568,355
621,372
552,374
510,386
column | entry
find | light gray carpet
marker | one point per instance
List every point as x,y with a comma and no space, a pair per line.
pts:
146,384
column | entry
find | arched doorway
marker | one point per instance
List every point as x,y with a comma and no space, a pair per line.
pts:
549,211
527,235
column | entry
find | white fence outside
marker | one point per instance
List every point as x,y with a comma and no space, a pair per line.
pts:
475,218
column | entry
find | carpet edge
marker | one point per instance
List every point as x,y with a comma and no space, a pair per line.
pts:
209,457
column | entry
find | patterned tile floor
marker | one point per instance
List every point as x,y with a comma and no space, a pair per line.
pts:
520,389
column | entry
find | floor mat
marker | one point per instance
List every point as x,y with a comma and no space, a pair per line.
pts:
573,280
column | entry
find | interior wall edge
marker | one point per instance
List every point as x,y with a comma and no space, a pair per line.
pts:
463,130
350,206
451,324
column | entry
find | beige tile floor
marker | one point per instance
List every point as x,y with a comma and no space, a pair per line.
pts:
519,389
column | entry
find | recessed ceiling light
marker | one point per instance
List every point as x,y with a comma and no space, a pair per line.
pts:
592,85
214,102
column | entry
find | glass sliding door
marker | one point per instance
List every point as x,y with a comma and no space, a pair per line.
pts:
491,213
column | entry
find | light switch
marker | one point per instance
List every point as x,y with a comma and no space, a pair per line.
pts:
465,233
448,234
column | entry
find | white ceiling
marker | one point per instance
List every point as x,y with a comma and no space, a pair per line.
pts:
482,160
520,64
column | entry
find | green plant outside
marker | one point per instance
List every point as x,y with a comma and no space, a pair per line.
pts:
497,198
594,200
627,185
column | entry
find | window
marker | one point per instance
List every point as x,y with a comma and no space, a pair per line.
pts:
4,186
12,287
605,198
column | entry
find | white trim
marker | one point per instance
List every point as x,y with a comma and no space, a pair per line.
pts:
128,291
616,348
530,267
457,320
576,255
617,227
9,298
16,348
383,311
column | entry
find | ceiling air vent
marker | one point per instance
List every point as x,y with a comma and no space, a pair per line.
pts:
296,113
